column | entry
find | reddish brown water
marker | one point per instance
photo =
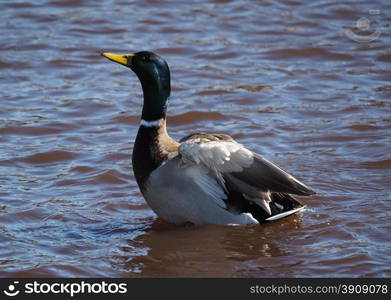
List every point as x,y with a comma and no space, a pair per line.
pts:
285,78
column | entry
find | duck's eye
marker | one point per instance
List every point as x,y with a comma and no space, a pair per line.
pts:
145,58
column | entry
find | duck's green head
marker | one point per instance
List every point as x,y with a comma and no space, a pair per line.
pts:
154,75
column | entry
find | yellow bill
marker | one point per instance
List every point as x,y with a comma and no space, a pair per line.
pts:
125,60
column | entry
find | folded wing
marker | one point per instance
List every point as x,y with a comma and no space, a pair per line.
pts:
251,182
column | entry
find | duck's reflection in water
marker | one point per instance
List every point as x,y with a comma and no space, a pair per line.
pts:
210,251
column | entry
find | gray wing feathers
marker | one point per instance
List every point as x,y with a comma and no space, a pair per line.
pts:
206,137
238,169
225,157
266,176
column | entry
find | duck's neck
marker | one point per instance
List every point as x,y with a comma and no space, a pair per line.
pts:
156,94
152,147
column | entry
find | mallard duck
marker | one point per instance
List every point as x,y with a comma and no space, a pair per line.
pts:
205,178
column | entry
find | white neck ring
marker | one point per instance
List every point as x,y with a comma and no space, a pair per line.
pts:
154,123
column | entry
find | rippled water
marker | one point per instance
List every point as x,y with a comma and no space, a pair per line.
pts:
285,78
